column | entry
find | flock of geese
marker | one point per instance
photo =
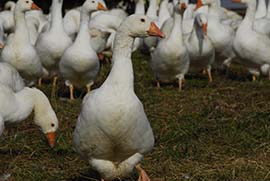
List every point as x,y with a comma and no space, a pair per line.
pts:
112,131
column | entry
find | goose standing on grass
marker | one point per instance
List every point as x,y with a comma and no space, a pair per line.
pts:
16,107
253,51
200,48
52,43
221,35
79,64
170,59
112,131
18,51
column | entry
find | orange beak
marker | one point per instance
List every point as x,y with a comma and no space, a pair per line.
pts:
236,1
183,6
204,28
101,7
1,46
199,4
155,31
35,7
51,139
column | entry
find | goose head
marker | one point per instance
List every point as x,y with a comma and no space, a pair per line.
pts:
200,23
26,5
91,5
198,4
44,116
141,26
181,6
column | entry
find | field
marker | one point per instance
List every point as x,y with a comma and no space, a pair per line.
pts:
210,131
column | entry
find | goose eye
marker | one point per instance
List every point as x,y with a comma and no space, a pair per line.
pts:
27,2
142,20
52,125
93,1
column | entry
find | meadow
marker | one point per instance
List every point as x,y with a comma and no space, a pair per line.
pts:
209,131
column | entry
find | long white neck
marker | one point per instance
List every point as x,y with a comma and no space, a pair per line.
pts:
250,13
163,12
21,31
140,9
261,9
57,22
152,9
84,36
176,33
121,74
268,11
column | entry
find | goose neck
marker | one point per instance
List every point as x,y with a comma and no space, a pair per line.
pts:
21,31
84,30
140,9
57,22
121,74
176,33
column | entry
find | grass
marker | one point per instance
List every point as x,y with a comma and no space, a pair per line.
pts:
217,131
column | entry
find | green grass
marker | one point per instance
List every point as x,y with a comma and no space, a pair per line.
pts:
217,131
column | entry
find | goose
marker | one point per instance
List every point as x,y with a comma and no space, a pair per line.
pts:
221,35
170,59
253,52
18,51
8,17
10,5
52,43
16,107
2,34
10,77
199,46
112,130
79,64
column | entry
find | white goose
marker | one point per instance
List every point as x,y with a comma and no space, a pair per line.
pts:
18,51
200,48
220,34
16,107
10,77
8,18
253,51
261,23
52,43
112,130
170,59
79,64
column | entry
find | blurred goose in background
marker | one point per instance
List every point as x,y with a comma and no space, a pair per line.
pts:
253,51
220,34
79,64
10,77
139,9
52,43
8,17
10,6
16,107
18,51
200,48
261,23
170,59
112,130
2,34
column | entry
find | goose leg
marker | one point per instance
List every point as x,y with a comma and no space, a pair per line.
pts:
1,46
254,78
142,174
101,56
88,88
71,93
54,86
40,82
180,84
209,75
158,84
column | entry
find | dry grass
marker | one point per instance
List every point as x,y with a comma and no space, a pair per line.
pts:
217,131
